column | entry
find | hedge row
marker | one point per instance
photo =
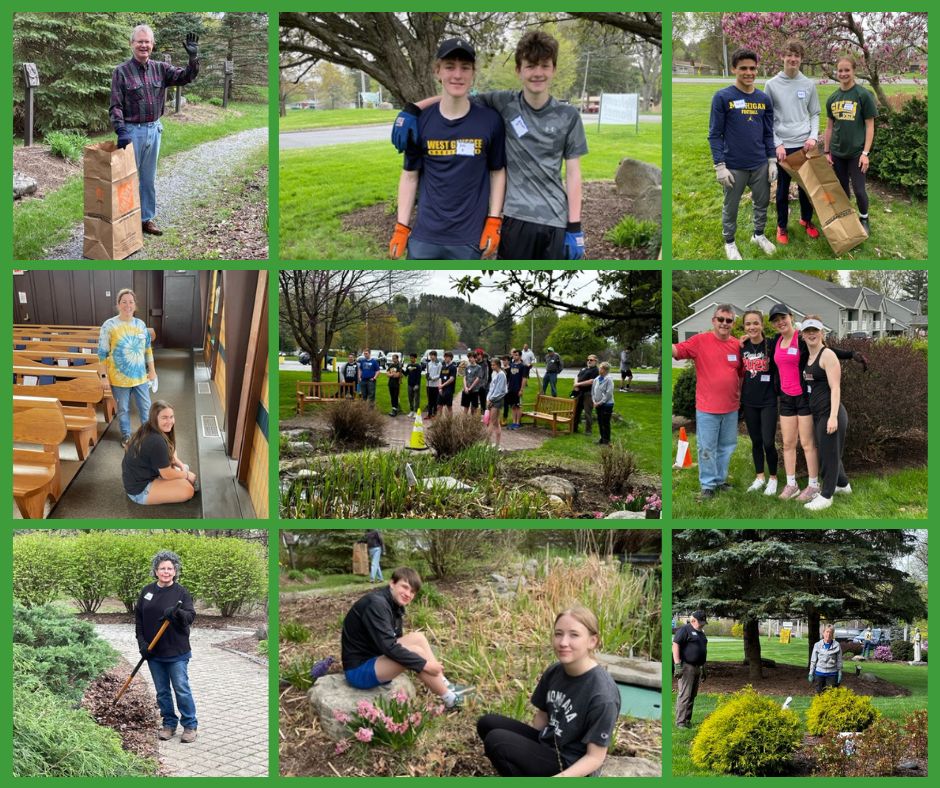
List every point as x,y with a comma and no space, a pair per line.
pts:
225,573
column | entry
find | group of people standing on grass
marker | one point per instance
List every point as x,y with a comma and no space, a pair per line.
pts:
751,131
791,377
151,470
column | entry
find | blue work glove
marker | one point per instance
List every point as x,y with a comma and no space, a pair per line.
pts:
405,127
574,242
809,678
124,139
839,678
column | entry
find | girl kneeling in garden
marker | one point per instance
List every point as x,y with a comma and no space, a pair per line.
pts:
578,704
151,470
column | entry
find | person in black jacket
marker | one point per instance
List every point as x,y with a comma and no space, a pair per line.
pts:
375,650
169,660
376,545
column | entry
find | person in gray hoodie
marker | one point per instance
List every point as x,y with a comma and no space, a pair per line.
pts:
796,127
825,663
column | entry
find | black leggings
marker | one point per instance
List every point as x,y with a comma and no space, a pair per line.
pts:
783,196
849,168
762,427
514,748
830,447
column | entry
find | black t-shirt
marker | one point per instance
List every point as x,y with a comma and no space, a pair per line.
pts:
515,374
151,603
413,372
581,710
448,373
349,371
143,463
693,644
586,373
393,367
758,389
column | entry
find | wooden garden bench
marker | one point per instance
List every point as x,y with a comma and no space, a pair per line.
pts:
558,411
313,392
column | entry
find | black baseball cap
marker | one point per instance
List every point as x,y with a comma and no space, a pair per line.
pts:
778,309
451,45
699,615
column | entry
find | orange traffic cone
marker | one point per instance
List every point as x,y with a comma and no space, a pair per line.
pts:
417,435
683,455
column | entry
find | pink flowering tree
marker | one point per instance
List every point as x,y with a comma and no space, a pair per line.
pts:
886,45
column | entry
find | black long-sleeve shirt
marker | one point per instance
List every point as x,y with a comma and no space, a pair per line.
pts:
151,603
372,628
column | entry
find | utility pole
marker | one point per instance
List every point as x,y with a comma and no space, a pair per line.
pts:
584,95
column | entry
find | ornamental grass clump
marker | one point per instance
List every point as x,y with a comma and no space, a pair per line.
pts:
395,722
451,433
748,734
840,709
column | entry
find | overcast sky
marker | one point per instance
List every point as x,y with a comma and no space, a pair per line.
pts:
443,283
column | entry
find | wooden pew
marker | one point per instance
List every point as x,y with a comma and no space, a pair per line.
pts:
37,474
80,388
35,357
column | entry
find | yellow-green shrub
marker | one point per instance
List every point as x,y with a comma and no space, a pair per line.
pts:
38,564
839,709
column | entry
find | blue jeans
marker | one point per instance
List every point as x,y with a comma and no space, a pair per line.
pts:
716,435
122,398
367,390
164,675
146,139
420,250
550,379
375,567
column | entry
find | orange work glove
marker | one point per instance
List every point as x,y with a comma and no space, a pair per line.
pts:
489,241
399,243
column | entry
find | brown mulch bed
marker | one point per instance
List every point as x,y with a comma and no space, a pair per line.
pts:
247,645
49,171
722,677
602,208
135,717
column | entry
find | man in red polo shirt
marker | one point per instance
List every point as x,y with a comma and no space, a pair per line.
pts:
718,373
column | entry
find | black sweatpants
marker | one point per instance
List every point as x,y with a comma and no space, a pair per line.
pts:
514,748
432,400
521,240
762,427
846,170
783,196
414,398
830,448
604,414
394,387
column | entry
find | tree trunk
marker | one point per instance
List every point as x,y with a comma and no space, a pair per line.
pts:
752,649
812,634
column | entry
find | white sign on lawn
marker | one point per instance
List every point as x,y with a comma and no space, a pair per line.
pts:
621,109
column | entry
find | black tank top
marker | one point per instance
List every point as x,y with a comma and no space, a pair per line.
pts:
817,386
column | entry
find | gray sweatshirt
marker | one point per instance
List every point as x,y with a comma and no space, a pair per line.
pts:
602,390
796,109
826,660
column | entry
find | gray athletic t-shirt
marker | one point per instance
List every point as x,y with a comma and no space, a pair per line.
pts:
537,141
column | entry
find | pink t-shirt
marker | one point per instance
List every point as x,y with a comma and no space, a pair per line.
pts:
718,371
787,360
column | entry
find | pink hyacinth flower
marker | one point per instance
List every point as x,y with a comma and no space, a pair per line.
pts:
364,735
340,716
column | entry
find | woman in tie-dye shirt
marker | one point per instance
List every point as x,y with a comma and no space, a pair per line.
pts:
124,343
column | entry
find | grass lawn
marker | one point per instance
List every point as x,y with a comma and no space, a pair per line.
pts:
794,653
899,224
304,119
42,224
638,425
313,199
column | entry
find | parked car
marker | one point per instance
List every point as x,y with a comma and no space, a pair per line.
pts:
878,636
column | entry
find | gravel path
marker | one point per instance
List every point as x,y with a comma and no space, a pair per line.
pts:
231,695
181,179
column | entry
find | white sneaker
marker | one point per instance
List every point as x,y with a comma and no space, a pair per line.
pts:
771,488
847,490
818,503
731,251
756,485
764,243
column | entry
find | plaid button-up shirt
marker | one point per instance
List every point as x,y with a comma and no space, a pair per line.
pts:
137,92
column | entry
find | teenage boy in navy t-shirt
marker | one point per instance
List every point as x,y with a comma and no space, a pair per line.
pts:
741,136
459,165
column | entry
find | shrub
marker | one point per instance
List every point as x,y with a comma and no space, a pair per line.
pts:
748,734
311,574
129,559
215,101
296,575
51,739
851,648
633,233
915,726
226,573
451,433
900,156
875,752
683,393
737,630
38,565
902,650
87,577
263,648
67,145
355,424
294,632
839,709
62,652
883,654
618,464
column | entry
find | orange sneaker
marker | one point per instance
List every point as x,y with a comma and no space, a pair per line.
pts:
811,231
782,237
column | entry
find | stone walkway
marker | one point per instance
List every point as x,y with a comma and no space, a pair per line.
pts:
231,694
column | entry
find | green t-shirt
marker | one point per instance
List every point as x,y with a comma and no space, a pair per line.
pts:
849,109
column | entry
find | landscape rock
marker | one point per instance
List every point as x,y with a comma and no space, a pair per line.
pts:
642,184
331,693
554,485
623,515
624,766
299,446
293,434
23,185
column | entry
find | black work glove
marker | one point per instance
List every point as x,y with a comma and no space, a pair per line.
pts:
124,139
191,45
862,359
144,650
171,613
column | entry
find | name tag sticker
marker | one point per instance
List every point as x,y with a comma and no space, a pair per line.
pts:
792,351
148,596
849,106
732,357
801,94
464,148
809,389
765,378
518,126
739,104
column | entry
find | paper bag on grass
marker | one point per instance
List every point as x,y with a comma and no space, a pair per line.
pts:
112,198
837,218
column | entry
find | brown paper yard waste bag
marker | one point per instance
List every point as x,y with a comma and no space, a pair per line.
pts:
112,202
360,559
837,219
